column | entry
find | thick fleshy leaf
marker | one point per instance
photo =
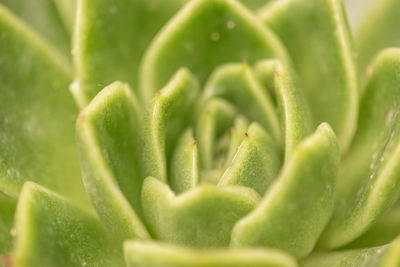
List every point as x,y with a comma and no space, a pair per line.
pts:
7,209
166,117
316,35
238,84
185,173
201,217
51,231
383,256
108,132
140,254
110,38
298,205
256,163
382,232
67,10
43,17
238,133
37,114
203,35
370,176
293,111
380,30
215,118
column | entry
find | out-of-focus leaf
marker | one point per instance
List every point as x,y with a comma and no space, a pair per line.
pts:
369,179
37,114
318,40
51,231
138,254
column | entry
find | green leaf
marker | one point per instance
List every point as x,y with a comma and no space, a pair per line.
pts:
7,208
379,30
256,163
162,123
298,205
215,118
185,173
369,180
382,232
110,38
203,35
51,231
67,10
293,110
149,254
201,217
37,114
238,84
108,133
238,133
317,37
44,18
383,256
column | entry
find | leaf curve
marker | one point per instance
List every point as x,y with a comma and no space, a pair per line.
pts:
299,201
36,113
51,231
200,217
330,79
152,254
108,132
368,183
198,36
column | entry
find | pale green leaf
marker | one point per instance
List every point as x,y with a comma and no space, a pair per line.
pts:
256,163
7,209
201,217
383,256
318,40
108,133
203,35
297,206
51,231
379,30
238,84
110,38
185,173
37,114
369,180
293,110
149,254
44,18
166,117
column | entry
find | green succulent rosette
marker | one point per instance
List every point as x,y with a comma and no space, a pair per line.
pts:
199,133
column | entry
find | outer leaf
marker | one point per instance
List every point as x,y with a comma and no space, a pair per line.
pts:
7,208
293,107
298,205
384,256
203,35
155,254
108,131
201,217
159,136
379,31
185,164
256,162
238,84
110,37
322,56
370,177
37,114
43,17
382,232
53,232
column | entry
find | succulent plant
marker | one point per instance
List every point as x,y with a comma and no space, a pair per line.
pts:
199,133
